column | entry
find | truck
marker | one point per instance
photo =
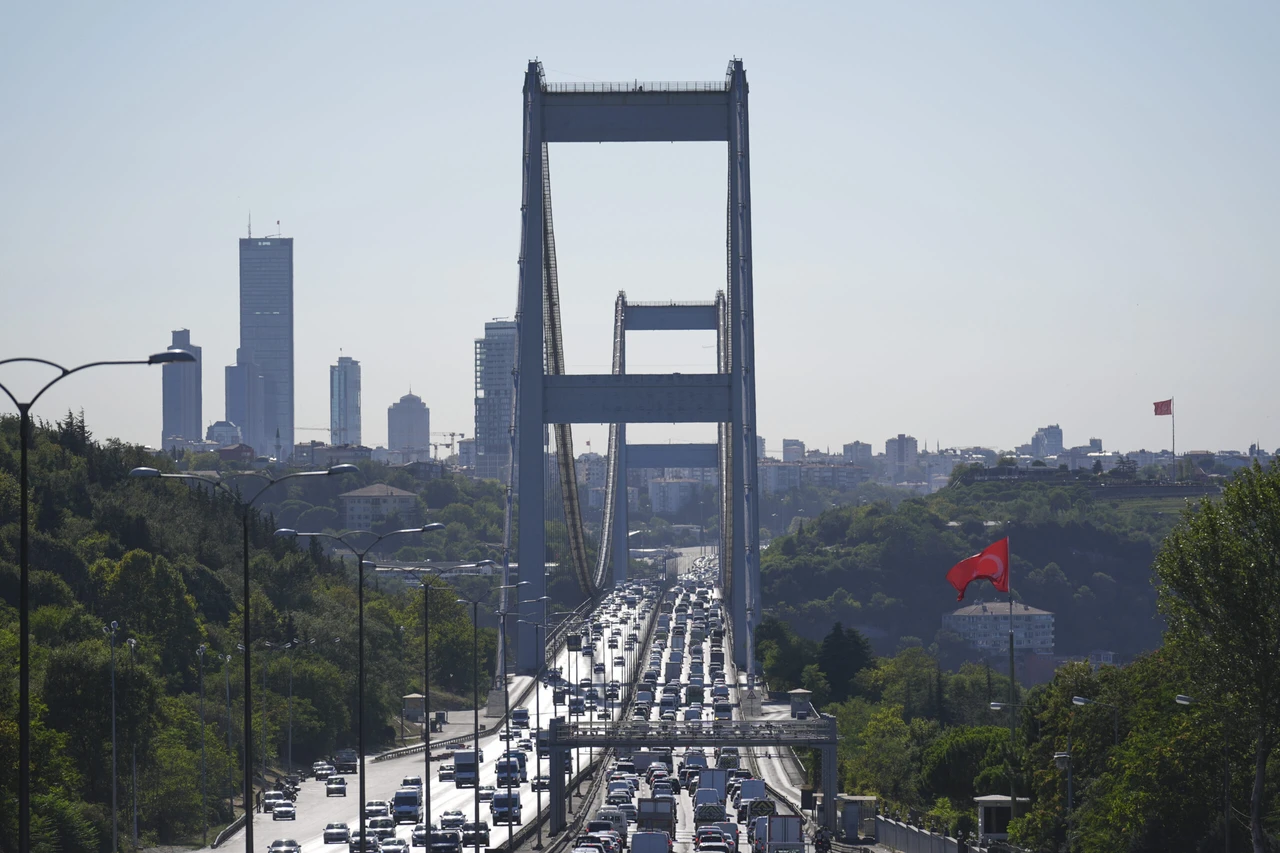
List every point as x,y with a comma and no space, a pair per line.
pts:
671,671
716,780
520,717
346,761
707,808
750,789
406,805
778,834
650,842
655,815
717,657
466,769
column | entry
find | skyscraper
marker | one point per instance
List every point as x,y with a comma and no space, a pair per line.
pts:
266,332
495,387
183,395
409,425
244,402
344,402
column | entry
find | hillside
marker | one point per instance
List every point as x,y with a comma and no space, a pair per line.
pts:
882,569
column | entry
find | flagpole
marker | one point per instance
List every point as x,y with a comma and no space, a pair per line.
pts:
1173,438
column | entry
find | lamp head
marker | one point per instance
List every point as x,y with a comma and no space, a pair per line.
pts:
435,525
1080,700
145,473
172,356
1062,760
997,706
1183,699
286,533
200,650
344,468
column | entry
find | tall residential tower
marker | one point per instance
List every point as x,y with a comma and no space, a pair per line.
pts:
495,388
344,402
183,395
266,333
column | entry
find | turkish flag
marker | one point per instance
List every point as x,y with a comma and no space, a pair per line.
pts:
991,563
1164,407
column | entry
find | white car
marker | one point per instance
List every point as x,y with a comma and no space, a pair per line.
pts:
284,811
337,833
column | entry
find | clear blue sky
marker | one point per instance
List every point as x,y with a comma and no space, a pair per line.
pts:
970,219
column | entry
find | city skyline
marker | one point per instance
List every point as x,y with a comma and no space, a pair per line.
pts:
984,235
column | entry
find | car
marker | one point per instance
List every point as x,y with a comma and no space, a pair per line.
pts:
377,808
383,827
411,782
322,770
525,744
475,834
507,734
541,783
452,819
337,833
284,845
445,773
395,845
335,786
456,746
486,793
629,809
619,661
420,834
284,811
270,799
446,841
370,843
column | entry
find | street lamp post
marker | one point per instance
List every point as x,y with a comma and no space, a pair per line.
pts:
360,554
1115,712
231,787
133,743
1183,699
475,691
539,631
110,631
204,777
245,507
24,564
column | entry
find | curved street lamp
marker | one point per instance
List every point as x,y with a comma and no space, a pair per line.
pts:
245,506
360,554
173,356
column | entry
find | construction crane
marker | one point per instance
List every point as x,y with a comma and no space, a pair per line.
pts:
453,437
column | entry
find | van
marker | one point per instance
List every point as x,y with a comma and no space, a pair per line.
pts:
505,807
617,819
520,717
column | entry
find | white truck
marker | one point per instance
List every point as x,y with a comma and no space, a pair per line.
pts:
650,842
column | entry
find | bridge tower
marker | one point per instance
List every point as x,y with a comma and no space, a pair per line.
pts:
635,112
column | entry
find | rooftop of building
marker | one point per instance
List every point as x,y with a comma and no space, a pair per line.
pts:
999,608
379,490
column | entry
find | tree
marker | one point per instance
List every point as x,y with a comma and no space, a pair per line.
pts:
841,656
1218,579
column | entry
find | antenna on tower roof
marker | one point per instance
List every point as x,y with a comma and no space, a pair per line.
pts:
251,225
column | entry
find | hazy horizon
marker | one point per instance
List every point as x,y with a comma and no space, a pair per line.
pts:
968,222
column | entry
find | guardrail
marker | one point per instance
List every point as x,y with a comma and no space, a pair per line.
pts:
229,831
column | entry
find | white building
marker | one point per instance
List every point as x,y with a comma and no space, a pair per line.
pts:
671,494
985,626
365,507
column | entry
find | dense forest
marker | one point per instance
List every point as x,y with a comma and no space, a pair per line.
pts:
881,568
162,560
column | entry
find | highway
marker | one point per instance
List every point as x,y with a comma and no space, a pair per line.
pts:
768,763
315,810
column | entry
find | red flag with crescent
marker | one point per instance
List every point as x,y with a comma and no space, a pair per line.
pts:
1164,407
991,563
